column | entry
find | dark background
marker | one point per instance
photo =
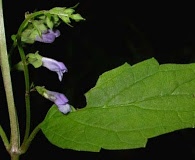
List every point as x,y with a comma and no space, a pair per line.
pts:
112,34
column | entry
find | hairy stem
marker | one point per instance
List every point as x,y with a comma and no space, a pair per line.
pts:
15,157
15,134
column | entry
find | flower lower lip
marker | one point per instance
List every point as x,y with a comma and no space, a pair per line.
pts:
55,66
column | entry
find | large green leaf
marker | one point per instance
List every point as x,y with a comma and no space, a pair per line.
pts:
127,106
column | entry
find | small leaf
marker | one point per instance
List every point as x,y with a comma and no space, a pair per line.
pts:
55,20
58,11
65,14
128,105
69,11
19,66
28,35
35,59
13,37
77,17
33,30
49,22
65,19
39,26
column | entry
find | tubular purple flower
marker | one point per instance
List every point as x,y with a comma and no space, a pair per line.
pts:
55,66
59,99
48,36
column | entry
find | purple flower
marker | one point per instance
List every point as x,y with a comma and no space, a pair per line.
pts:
48,36
59,99
55,66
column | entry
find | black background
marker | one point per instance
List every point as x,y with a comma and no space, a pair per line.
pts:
112,34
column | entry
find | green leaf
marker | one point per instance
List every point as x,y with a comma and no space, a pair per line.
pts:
49,22
36,28
39,26
69,11
77,17
58,11
65,14
35,59
128,105
19,66
28,35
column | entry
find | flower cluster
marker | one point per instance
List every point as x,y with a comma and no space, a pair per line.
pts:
58,98
42,28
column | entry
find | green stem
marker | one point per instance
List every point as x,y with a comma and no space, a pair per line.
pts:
12,48
27,92
15,134
11,51
26,72
27,143
4,138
